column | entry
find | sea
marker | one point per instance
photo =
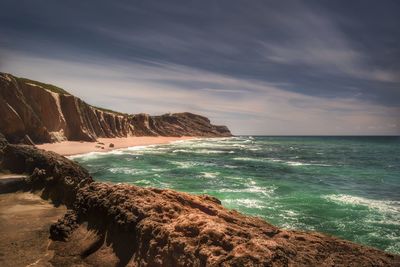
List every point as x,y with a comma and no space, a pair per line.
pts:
343,186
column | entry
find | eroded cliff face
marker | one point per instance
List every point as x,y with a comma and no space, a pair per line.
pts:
42,113
176,124
125,225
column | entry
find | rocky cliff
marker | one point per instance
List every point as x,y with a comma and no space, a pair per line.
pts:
34,112
124,225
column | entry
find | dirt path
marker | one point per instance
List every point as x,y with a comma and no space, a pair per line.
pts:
25,220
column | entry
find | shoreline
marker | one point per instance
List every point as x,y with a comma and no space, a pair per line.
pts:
104,222
73,148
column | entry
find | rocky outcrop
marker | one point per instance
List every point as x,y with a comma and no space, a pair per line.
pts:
134,226
56,177
44,113
176,124
125,225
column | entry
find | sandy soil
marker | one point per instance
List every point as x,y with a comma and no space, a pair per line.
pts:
25,221
68,148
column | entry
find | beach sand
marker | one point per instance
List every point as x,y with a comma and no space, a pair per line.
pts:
68,148
25,221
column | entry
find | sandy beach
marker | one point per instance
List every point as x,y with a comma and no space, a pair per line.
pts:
69,148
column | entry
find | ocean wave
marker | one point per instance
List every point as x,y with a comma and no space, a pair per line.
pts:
266,191
190,164
125,170
211,175
159,169
249,159
98,154
87,156
244,202
290,163
135,148
204,145
296,163
387,206
143,182
230,166
184,164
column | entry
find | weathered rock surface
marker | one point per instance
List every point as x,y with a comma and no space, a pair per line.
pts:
134,226
177,124
33,111
55,176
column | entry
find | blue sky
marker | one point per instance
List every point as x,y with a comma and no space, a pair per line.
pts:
260,67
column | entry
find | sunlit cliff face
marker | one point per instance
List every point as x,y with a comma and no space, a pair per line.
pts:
310,68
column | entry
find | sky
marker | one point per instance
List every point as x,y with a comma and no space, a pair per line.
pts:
260,67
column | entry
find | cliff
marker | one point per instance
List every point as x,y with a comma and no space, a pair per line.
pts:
34,112
124,225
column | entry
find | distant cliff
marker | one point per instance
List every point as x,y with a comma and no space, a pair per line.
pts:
36,112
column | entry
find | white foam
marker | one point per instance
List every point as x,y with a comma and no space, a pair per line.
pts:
183,165
266,191
189,164
136,148
158,170
230,166
387,206
153,149
210,174
249,159
201,151
245,202
275,160
295,163
125,170
141,182
87,156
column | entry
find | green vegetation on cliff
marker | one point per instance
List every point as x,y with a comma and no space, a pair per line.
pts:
47,86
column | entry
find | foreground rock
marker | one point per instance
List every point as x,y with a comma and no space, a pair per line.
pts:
124,225
34,112
56,177
11,182
129,225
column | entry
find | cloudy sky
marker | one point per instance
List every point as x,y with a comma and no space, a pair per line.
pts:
260,67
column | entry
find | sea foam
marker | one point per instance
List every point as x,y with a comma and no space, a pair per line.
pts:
245,202
387,206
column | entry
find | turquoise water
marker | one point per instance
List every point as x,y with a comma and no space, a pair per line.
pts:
344,186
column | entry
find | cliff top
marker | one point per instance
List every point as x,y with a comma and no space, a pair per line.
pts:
46,86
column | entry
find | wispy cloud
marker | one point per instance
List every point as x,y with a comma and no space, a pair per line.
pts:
248,107
276,67
313,40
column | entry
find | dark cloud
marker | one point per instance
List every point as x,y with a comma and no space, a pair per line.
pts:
329,49
320,47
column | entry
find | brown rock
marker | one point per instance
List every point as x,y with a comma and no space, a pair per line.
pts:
27,140
55,176
176,124
153,227
111,145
